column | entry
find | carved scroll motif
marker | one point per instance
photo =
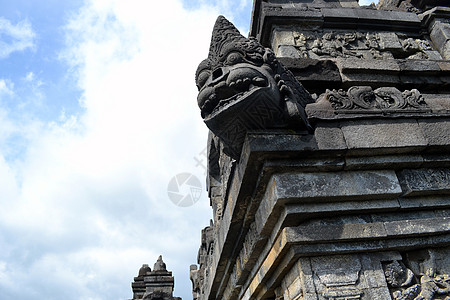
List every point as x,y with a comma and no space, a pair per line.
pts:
384,98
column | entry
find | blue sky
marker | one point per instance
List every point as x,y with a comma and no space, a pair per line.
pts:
97,114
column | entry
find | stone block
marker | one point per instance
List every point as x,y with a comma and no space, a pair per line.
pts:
313,73
415,65
337,276
439,104
432,54
297,212
389,41
424,202
372,271
353,65
417,227
306,275
310,234
421,81
440,35
381,293
335,185
366,15
287,51
383,162
424,181
369,77
294,289
329,137
444,65
379,134
349,3
282,36
309,296
436,131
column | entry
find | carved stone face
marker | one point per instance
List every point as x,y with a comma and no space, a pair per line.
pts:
242,87
233,80
234,83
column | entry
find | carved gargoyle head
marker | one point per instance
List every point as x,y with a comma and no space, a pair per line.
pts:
242,87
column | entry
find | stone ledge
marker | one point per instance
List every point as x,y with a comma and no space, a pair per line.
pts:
291,244
424,181
383,134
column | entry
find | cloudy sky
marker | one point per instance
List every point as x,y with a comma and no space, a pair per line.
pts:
97,115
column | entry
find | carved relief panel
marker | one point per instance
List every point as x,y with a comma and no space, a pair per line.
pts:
419,276
367,45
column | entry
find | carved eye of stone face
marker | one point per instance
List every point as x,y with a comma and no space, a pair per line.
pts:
234,58
202,78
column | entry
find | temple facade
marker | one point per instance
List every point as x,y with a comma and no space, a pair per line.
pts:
328,153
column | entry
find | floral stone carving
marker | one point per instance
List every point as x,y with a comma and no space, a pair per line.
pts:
384,98
243,87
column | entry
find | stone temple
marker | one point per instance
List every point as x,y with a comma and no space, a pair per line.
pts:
154,285
328,153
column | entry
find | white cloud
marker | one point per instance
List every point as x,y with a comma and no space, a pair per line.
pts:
29,76
6,88
15,37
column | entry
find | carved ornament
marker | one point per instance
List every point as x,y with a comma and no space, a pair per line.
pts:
243,87
360,98
367,45
405,285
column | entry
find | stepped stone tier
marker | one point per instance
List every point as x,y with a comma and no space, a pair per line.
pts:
328,153
154,285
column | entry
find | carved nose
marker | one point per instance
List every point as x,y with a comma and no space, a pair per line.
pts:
218,75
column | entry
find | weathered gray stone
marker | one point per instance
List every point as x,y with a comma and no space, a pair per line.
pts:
428,66
336,185
424,181
389,41
329,137
313,73
436,132
353,65
349,3
433,54
425,202
417,227
383,162
306,275
337,276
308,234
372,271
379,134
440,35
440,104
389,17
282,37
240,89
287,51
156,284
381,293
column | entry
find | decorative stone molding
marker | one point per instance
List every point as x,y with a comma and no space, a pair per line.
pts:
367,45
359,98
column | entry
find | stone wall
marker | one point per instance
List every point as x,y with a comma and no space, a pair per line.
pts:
355,205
